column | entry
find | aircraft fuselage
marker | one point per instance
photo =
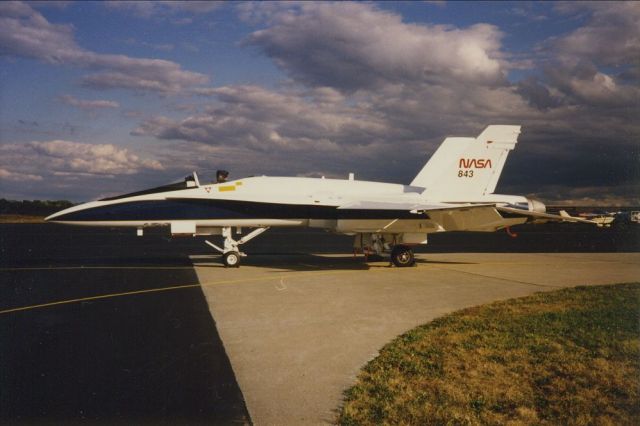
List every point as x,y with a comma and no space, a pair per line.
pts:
273,201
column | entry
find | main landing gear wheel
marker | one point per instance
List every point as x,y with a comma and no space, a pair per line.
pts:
402,256
231,259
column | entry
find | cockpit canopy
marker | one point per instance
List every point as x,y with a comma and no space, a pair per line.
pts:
190,181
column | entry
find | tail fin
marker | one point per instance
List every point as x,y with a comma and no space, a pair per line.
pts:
468,167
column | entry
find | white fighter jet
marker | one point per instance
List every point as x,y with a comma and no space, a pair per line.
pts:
452,192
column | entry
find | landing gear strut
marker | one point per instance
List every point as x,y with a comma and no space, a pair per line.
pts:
231,254
402,256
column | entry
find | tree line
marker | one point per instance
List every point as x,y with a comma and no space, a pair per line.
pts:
33,207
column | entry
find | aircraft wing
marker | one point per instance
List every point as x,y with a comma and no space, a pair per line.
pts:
538,215
441,216
412,207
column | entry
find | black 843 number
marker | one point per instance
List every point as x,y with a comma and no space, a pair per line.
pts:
465,173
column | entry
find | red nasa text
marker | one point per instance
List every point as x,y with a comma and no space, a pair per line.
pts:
474,163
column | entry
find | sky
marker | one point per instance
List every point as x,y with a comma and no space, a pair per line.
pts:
103,98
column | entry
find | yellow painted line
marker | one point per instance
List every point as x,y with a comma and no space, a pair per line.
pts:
102,296
494,277
108,296
278,276
71,268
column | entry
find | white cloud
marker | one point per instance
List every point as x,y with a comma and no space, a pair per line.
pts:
259,119
60,169
17,176
49,157
27,33
609,37
88,104
597,64
355,45
147,9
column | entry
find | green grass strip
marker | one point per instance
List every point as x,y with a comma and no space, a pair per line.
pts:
564,357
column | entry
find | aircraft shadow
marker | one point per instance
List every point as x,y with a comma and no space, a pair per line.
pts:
292,262
312,262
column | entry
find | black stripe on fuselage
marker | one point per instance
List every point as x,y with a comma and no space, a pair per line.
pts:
194,209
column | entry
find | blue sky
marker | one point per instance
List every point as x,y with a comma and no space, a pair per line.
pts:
100,98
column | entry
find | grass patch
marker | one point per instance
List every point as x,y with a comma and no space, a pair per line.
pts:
565,357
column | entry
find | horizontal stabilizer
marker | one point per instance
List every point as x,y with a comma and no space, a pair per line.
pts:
562,217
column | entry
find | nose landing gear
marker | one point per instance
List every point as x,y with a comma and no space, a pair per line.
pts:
231,259
231,253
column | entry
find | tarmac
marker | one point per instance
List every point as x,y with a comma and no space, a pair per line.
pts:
298,328
101,326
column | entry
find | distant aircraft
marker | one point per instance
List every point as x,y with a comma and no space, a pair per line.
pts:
452,192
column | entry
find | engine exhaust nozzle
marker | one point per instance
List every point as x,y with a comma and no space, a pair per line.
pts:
536,206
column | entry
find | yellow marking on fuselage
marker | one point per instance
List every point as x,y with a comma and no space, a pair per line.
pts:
226,188
238,183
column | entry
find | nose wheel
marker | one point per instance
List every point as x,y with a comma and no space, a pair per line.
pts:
231,259
402,256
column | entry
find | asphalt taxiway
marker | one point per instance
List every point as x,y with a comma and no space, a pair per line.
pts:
100,327
97,325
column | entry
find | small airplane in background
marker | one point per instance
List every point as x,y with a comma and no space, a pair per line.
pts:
452,192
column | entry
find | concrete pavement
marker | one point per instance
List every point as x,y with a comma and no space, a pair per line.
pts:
297,329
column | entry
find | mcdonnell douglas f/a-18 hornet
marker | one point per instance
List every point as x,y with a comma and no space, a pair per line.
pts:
452,192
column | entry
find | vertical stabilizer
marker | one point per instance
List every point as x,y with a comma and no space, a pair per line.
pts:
464,168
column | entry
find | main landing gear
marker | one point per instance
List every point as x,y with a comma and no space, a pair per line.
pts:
231,254
402,256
